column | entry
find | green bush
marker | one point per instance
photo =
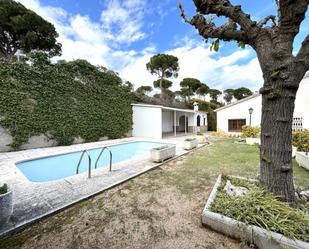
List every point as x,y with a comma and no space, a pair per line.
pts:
3,189
190,139
249,131
63,100
161,147
199,133
301,140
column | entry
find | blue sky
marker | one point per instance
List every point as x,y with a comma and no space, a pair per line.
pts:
123,34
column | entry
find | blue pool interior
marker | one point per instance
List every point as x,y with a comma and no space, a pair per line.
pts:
61,166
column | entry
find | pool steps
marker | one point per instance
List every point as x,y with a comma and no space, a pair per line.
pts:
85,152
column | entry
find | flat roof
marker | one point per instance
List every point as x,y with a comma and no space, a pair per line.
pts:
168,108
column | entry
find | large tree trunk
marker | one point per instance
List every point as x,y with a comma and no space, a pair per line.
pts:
161,87
278,96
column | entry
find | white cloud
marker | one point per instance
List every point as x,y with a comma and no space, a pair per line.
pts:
197,61
122,21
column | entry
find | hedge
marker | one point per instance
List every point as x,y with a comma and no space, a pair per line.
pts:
63,100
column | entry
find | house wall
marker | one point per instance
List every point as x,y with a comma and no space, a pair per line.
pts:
302,102
167,121
240,110
147,122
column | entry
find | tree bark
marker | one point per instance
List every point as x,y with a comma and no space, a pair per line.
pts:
282,72
278,97
161,87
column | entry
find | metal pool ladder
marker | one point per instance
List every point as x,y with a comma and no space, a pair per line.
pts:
89,163
110,158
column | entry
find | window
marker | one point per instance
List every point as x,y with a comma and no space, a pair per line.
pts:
236,124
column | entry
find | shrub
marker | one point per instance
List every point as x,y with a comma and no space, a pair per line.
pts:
161,147
249,131
190,139
3,189
301,140
261,208
200,133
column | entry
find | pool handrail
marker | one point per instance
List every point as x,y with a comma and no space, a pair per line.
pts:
89,163
110,158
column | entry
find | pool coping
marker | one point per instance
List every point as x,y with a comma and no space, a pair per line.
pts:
145,165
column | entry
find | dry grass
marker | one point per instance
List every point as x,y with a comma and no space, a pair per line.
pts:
160,209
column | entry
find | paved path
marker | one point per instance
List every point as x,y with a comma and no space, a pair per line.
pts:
33,201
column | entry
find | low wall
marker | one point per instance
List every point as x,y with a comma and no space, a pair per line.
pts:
34,142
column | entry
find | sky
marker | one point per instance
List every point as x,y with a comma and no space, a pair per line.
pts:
122,35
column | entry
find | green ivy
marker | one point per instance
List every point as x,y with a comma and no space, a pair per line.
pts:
63,100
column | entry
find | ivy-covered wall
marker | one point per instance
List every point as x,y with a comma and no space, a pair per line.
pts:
64,101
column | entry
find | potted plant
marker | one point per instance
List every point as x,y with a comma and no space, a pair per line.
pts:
301,141
159,154
6,203
251,134
201,139
190,143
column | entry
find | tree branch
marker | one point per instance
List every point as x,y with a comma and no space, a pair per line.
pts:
303,54
225,8
208,29
292,13
266,19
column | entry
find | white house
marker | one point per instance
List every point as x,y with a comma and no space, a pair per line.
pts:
157,121
232,117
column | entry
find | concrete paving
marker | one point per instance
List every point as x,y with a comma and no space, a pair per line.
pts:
33,201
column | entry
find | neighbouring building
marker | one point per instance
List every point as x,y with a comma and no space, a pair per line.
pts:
232,117
158,121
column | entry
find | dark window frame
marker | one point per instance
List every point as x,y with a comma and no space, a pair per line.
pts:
235,125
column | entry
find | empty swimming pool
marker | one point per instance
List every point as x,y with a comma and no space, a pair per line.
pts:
61,166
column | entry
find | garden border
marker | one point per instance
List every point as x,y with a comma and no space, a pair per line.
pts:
262,238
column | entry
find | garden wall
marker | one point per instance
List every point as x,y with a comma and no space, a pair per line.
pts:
44,104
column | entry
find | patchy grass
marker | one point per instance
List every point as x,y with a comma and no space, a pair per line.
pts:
160,209
262,209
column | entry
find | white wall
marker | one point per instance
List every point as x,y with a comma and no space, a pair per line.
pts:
302,102
167,121
147,122
240,110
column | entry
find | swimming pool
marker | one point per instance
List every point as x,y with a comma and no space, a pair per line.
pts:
62,166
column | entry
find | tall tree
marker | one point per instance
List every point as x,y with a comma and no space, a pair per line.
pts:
189,86
164,66
143,90
228,95
128,85
203,90
162,84
185,94
241,93
282,72
214,94
191,83
21,28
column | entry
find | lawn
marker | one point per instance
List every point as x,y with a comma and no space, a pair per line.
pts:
160,209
